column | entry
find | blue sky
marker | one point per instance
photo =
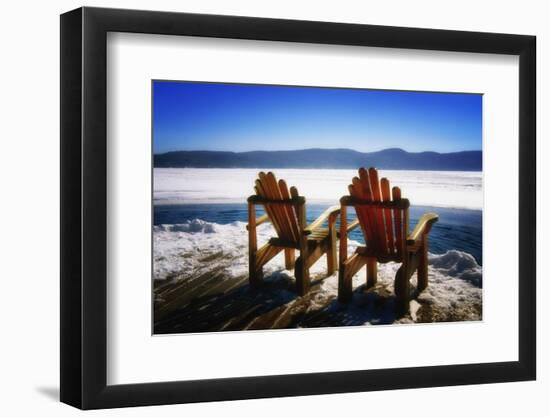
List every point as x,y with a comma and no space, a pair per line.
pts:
237,117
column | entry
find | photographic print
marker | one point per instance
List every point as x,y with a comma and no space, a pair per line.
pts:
285,207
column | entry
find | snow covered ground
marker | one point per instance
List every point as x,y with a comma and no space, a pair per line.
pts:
190,250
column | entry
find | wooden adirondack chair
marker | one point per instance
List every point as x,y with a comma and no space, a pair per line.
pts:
384,220
287,213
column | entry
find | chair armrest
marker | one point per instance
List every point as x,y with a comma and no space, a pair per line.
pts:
330,212
260,220
351,226
423,227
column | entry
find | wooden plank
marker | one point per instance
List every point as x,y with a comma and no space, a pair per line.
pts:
266,192
405,230
397,218
386,196
423,226
283,243
345,277
289,210
260,220
381,228
343,255
354,264
318,234
402,289
370,212
254,275
332,258
356,190
301,271
314,253
257,199
353,225
290,258
272,195
285,219
349,200
380,257
422,272
265,254
260,190
323,217
372,272
295,195
281,210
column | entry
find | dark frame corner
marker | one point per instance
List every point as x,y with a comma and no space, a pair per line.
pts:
83,207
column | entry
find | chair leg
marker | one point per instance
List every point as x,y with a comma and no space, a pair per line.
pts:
345,276
255,275
307,258
345,289
422,272
372,272
332,257
332,260
402,290
301,272
290,258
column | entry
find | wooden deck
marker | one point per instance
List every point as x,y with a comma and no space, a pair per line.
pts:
214,302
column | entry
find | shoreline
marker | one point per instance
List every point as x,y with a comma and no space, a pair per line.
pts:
316,202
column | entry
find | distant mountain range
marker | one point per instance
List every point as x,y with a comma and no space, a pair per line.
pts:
393,158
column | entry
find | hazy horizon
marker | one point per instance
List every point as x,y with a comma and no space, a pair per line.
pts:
314,148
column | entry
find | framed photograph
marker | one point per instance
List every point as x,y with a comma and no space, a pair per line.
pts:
258,208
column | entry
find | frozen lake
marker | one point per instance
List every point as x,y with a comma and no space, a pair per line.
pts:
454,189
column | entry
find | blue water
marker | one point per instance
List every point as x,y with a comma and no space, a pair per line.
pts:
456,229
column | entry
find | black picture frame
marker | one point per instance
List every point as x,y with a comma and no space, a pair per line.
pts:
84,207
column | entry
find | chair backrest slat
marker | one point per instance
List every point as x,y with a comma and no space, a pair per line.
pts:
383,227
380,224
283,216
370,234
261,191
291,215
388,218
275,194
356,189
